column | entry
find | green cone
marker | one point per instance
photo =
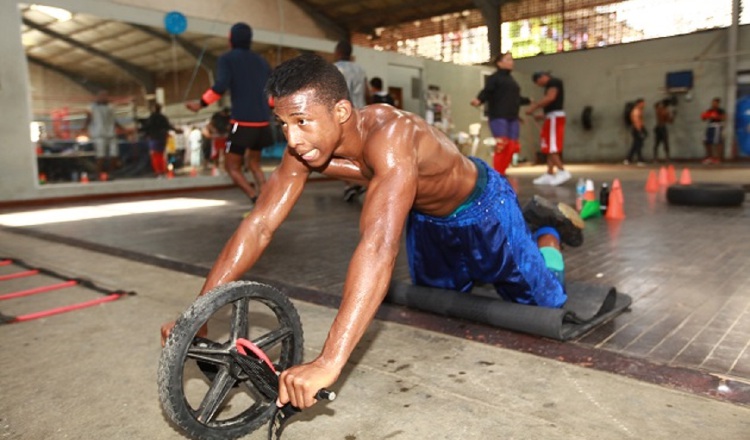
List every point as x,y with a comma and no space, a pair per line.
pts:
590,209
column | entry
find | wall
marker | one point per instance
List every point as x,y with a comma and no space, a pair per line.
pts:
18,173
607,78
604,78
17,167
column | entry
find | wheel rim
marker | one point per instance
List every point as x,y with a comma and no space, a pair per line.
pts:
228,399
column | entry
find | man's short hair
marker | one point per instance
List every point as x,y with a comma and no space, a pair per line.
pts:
535,77
500,57
344,48
241,35
308,72
377,83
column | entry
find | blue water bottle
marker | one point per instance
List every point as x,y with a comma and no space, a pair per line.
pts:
580,191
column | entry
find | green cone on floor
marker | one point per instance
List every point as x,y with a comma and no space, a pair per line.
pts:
591,209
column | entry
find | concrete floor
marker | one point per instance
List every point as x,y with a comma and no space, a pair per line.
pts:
91,373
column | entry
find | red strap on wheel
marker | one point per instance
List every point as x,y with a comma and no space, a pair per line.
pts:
242,344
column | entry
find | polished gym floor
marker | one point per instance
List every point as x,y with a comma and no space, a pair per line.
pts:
687,269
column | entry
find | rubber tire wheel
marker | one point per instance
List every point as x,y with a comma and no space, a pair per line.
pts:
706,194
175,354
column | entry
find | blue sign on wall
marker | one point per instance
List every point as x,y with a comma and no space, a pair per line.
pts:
743,125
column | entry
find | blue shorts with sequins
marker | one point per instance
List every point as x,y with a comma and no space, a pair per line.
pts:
486,240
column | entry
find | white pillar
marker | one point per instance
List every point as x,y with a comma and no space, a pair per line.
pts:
18,177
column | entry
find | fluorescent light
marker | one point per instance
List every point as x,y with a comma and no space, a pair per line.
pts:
60,215
58,14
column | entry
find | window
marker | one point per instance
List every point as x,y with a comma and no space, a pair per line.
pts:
549,26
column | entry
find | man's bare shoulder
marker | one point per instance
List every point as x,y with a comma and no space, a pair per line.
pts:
383,120
388,114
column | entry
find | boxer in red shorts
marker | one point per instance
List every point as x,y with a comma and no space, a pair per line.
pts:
553,130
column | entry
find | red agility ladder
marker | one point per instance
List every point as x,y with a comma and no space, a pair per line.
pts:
30,271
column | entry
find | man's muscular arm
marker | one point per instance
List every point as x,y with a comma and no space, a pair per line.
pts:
253,235
550,96
389,198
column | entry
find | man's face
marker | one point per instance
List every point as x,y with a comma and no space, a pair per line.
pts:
102,97
715,103
542,80
312,129
506,62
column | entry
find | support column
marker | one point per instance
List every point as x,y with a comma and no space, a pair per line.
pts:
18,177
731,99
490,10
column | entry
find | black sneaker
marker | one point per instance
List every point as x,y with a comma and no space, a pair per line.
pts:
540,212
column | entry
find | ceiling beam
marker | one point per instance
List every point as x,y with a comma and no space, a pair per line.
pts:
367,20
90,86
490,10
206,58
333,29
140,74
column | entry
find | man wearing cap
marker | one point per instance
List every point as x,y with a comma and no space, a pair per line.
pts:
553,130
245,74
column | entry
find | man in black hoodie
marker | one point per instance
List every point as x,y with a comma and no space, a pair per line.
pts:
245,74
503,96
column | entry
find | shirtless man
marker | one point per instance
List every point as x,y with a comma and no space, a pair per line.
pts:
454,208
637,131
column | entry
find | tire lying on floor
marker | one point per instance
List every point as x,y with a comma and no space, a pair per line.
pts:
706,194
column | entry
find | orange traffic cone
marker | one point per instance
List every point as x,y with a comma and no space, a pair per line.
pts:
685,178
652,184
615,207
663,179
84,177
103,176
671,178
193,172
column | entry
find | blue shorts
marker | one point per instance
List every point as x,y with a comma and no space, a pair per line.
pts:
507,128
486,240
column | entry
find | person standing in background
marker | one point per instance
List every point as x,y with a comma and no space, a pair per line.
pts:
157,128
637,131
218,127
354,74
195,141
380,96
245,74
553,130
661,134
503,96
715,117
101,125
359,95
